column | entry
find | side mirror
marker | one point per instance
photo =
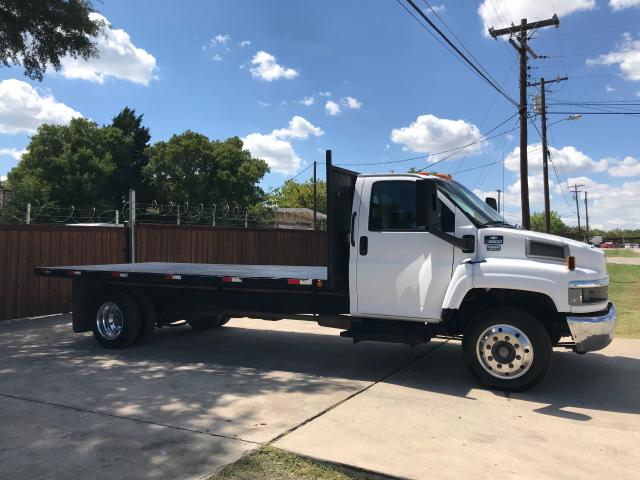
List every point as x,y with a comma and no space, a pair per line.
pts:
492,203
426,204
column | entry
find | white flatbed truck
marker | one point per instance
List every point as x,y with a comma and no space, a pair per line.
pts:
410,257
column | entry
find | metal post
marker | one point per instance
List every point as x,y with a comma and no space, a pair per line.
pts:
315,196
132,226
28,216
586,211
178,217
117,217
246,218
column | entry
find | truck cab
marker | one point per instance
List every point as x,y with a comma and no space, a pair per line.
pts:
425,249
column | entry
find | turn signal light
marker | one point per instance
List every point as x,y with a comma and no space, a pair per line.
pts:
571,263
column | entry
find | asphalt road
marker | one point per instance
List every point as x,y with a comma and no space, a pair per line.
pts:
187,403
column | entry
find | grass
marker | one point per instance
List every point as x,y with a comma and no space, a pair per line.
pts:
268,463
620,252
624,291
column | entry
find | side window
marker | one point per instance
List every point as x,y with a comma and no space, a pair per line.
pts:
393,206
446,218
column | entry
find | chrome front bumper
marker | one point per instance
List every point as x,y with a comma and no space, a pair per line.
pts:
591,333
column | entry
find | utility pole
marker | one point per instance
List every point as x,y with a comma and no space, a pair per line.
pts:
315,196
575,192
586,210
499,192
522,48
545,150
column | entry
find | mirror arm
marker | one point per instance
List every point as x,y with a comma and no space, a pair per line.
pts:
466,243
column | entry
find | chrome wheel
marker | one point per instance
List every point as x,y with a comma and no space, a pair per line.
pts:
504,351
109,321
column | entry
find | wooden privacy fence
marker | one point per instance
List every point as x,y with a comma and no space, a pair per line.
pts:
23,247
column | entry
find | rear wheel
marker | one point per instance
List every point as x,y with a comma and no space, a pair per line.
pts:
207,323
507,348
117,322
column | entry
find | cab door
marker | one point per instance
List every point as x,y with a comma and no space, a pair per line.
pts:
402,272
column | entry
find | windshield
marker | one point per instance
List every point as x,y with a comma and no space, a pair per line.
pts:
469,203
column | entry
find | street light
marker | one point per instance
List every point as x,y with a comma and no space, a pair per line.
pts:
570,117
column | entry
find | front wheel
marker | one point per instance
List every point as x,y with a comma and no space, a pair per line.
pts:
507,348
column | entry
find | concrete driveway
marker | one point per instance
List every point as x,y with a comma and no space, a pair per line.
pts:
186,403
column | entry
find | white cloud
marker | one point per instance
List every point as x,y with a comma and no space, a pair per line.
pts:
430,134
216,57
628,167
263,103
332,108
622,4
12,152
611,210
308,101
609,88
220,39
244,43
627,57
3,178
566,159
278,152
351,103
438,8
299,127
24,109
265,68
324,94
502,14
118,58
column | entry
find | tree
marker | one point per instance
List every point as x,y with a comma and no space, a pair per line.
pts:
39,33
130,156
300,195
558,227
67,165
191,168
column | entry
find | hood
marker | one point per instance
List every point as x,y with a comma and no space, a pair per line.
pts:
501,242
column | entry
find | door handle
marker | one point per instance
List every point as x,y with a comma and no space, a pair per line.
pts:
353,224
364,245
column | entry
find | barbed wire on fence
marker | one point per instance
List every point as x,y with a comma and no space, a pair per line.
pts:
219,214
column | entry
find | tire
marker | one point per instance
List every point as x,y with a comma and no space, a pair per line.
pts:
148,316
117,321
207,323
507,349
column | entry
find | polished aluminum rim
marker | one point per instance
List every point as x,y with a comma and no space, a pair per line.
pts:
110,321
504,351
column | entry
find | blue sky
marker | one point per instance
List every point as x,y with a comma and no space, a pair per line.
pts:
382,89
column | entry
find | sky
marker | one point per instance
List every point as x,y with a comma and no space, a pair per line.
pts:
365,79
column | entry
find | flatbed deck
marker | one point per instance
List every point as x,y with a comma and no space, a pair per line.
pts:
198,273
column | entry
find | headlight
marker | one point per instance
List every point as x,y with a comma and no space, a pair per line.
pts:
585,292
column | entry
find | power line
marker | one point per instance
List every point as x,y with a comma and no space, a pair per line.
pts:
486,77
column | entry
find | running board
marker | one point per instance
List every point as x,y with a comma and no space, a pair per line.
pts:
390,331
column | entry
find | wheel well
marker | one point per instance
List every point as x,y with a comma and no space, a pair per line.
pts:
477,300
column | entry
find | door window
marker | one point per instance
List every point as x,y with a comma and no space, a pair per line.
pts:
393,206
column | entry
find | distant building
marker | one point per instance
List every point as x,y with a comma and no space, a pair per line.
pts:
297,218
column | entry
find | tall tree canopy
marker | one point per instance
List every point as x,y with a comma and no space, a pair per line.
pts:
83,164
130,156
66,165
558,227
39,33
191,168
300,195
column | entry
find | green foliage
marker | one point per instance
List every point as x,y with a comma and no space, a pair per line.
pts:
300,195
190,167
558,227
66,165
38,33
130,156
82,164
